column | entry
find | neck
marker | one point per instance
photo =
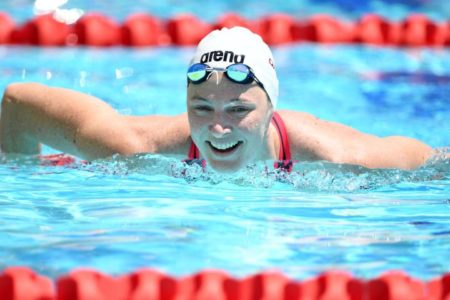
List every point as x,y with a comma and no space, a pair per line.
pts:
272,143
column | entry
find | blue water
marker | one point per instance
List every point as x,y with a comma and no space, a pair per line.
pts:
122,213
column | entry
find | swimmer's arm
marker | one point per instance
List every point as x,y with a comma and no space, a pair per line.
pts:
66,120
342,144
395,152
354,147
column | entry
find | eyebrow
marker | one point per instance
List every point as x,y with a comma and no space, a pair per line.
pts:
198,98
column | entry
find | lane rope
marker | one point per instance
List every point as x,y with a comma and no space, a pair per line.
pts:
21,283
145,30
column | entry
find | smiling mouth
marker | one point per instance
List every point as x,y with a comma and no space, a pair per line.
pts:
225,147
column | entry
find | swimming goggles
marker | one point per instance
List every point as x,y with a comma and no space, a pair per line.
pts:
239,73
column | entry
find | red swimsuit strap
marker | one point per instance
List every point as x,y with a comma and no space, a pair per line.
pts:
277,121
285,149
193,151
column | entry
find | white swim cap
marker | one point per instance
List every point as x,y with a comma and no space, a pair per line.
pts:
225,47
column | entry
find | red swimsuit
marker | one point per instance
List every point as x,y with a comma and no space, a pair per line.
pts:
284,157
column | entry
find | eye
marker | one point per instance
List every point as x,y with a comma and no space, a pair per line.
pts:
239,109
202,108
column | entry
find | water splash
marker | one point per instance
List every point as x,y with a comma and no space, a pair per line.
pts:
306,176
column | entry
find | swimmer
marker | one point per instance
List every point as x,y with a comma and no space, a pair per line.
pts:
231,119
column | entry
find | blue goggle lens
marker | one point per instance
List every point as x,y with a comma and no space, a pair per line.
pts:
238,73
197,72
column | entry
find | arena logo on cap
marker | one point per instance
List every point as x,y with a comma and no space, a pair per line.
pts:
219,55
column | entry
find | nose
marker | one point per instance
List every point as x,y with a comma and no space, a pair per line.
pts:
216,77
218,127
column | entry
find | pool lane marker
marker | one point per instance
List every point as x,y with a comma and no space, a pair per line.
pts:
144,30
21,283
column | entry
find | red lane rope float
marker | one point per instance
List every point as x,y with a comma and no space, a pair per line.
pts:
6,28
376,30
20,283
139,30
142,30
232,19
187,30
418,30
97,30
279,29
44,31
326,29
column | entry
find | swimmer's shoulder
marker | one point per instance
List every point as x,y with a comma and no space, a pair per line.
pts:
314,139
307,135
161,133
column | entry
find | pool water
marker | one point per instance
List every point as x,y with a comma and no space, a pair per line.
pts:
124,213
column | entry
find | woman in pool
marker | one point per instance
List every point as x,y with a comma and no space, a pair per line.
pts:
231,121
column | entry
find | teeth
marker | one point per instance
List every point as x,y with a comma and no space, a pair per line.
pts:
223,146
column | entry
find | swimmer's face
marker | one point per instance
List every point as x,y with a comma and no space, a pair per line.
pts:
229,122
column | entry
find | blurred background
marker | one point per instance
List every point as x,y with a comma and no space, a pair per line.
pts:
71,10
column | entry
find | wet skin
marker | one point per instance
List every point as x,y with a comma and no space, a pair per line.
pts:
230,123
